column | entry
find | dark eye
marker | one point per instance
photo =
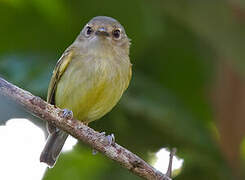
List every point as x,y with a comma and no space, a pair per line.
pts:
88,31
116,33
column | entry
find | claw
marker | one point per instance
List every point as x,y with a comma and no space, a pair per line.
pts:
67,114
94,151
102,133
111,139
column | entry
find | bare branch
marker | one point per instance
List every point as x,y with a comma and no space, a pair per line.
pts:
77,129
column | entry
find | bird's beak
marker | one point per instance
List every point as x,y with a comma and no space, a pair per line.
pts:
102,32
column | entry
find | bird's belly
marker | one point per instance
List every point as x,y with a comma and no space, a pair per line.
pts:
89,94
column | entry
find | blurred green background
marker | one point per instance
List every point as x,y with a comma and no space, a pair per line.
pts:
187,90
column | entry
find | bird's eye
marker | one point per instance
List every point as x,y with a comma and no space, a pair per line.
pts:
116,33
88,31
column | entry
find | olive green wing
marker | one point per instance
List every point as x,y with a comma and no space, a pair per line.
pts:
59,69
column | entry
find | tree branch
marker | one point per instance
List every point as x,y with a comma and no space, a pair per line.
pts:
36,106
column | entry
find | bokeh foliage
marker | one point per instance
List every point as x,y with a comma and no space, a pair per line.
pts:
176,48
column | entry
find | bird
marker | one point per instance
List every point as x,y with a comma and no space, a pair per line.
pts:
89,78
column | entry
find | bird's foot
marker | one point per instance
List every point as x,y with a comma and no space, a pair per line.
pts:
111,139
67,114
94,151
102,133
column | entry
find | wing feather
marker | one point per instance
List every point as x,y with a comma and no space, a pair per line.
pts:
59,69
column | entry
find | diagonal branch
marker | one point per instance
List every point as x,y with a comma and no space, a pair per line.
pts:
96,140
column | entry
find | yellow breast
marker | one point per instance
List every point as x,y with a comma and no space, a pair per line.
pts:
91,86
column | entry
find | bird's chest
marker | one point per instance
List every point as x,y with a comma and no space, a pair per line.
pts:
91,88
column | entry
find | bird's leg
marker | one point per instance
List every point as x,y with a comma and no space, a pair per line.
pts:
67,114
110,140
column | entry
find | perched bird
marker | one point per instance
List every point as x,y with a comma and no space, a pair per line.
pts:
89,78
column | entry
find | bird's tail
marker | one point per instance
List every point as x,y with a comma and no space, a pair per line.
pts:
53,146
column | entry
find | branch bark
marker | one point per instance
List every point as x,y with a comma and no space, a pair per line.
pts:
98,141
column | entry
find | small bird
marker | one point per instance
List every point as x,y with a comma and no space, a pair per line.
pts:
89,78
